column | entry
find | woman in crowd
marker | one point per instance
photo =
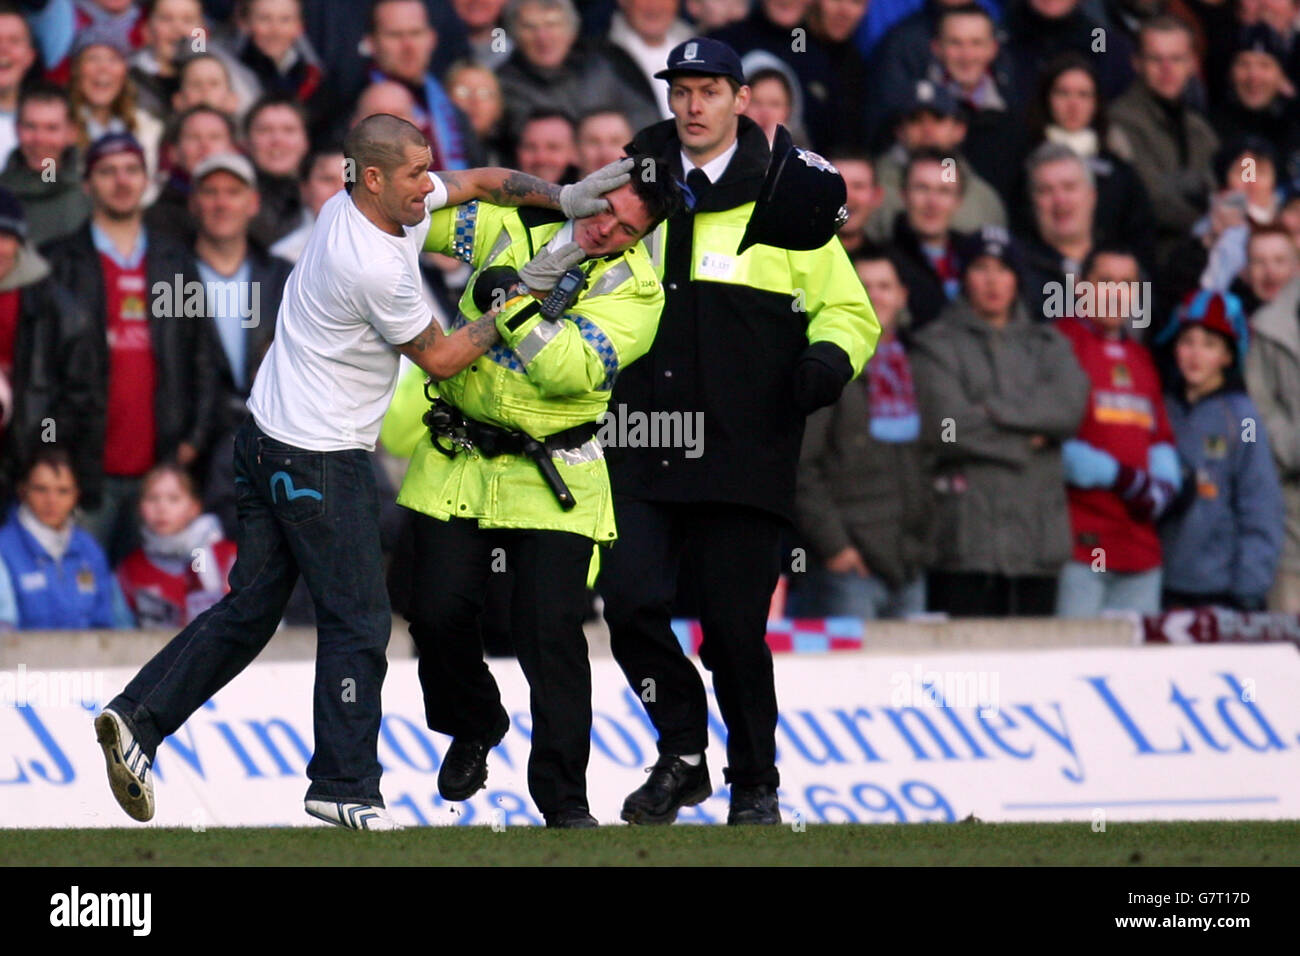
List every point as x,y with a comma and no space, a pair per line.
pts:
1068,110
104,99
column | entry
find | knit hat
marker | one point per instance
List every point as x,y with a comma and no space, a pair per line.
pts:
100,34
1261,38
12,218
111,144
992,241
1219,312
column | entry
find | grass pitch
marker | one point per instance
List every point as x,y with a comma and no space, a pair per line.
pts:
1200,843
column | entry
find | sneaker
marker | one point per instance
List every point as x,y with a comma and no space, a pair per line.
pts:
673,784
353,816
129,774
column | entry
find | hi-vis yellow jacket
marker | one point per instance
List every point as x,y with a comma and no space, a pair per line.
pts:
544,378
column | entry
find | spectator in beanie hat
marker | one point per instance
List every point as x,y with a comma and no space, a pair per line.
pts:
1258,100
154,363
998,393
1224,534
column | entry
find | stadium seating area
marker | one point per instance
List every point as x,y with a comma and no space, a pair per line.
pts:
1078,222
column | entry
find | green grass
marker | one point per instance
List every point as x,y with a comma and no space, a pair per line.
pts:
1208,843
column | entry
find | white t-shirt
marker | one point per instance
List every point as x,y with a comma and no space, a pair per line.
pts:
355,292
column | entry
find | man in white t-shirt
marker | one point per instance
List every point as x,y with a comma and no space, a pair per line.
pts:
305,490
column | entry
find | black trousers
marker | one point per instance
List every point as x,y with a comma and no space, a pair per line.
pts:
734,554
453,569
982,594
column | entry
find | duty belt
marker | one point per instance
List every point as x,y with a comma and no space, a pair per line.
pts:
462,433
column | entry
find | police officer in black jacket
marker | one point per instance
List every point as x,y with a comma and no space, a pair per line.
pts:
764,321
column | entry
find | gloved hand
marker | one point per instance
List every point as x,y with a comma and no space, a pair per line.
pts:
1087,466
820,376
493,286
584,198
1145,496
544,269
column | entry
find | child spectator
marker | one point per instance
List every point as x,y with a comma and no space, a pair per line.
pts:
1121,471
863,501
52,573
1224,536
180,570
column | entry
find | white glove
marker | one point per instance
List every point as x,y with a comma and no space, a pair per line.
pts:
583,198
544,269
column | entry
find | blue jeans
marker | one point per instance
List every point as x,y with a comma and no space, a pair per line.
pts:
300,512
823,593
1083,592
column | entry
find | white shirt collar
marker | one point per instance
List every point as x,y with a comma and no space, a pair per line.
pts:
715,167
563,237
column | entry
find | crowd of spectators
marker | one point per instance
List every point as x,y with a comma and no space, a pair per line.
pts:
1078,222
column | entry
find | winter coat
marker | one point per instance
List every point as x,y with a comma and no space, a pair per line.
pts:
1273,379
984,394
1229,537
856,491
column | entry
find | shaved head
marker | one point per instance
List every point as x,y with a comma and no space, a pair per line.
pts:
381,141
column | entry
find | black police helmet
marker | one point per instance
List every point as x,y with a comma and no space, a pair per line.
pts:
801,204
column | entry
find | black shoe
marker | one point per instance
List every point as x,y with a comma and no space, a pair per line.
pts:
751,805
571,820
673,784
464,769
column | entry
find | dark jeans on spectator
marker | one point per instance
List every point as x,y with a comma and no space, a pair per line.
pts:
453,574
735,552
983,594
115,524
300,512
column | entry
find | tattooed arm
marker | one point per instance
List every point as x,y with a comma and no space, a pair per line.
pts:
501,187
442,356
507,187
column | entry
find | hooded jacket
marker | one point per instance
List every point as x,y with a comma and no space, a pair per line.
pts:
984,393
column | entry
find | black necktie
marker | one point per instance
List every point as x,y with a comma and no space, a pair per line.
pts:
698,180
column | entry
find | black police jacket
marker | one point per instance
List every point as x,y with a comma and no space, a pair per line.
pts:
713,397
